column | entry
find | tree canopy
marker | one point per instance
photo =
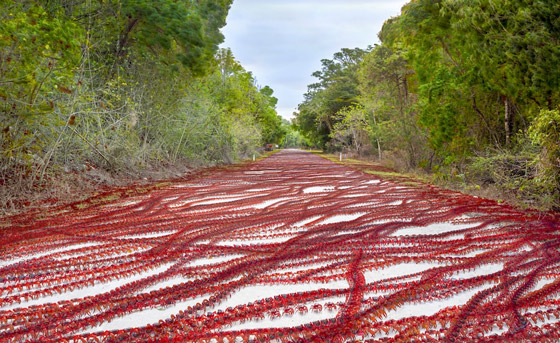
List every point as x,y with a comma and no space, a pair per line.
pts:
337,89
451,80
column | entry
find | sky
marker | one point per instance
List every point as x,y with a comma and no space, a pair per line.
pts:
282,42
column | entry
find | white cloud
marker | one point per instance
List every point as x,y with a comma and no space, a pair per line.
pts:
283,41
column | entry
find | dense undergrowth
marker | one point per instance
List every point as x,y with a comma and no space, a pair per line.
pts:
505,178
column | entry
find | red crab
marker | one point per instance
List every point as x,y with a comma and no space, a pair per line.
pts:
289,311
275,314
317,308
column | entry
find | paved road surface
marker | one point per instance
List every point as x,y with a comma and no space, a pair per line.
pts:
290,248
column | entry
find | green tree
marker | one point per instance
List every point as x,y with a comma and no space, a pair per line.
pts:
514,49
39,54
352,130
238,91
336,89
293,137
385,87
191,30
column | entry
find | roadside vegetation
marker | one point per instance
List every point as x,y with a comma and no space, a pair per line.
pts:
465,93
92,92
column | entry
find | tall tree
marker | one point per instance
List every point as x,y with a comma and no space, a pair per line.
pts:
336,89
191,30
385,94
516,50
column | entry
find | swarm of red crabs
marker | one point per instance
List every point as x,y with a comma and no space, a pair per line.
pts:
292,248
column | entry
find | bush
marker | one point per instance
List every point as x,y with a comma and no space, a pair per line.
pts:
545,133
517,174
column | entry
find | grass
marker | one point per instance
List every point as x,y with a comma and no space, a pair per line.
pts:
377,169
384,174
419,177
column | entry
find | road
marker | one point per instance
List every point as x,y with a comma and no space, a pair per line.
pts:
289,248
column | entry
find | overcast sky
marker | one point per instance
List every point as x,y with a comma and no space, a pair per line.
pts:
283,41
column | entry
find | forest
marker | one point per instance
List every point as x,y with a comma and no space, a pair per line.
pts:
466,91
122,86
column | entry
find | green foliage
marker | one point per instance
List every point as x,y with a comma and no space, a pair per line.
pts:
236,89
441,113
189,29
123,85
294,139
473,61
39,54
515,46
337,89
545,132
272,129
453,79
352,131
385,86
518,174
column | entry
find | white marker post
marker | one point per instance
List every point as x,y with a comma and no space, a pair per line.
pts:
253,157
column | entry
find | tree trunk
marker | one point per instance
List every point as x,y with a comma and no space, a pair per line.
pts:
327,121
123,40
491,132
508,119
377,138
400,97
405,90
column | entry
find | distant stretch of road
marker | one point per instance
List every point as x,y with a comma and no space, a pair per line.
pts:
291,248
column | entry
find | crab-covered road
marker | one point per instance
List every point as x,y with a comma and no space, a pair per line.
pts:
291,248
